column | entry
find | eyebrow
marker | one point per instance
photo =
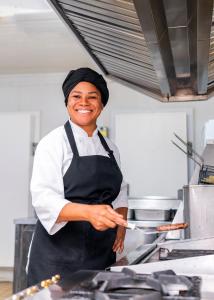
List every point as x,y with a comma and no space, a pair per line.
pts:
79,92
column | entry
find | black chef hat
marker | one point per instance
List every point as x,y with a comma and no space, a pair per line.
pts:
85,74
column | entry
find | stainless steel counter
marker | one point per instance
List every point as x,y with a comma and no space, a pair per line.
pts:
199,210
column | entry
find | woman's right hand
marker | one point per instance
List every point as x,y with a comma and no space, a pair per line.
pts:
103,217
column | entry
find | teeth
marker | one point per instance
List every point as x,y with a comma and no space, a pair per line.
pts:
83,111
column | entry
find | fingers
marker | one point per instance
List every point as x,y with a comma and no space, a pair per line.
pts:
104,224
115,217
103,217
118,246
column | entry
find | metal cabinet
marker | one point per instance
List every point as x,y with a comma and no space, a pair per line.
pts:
24,229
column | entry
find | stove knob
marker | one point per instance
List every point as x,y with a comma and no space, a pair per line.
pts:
32,290
28,292
20,296
55,278
46,283
49,282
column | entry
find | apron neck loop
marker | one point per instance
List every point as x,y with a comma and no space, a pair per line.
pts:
105,145
71,139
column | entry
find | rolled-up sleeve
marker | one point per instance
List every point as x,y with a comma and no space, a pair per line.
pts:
47,188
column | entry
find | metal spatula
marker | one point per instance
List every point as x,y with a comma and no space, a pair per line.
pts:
158,229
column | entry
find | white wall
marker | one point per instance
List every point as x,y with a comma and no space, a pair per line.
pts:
42,92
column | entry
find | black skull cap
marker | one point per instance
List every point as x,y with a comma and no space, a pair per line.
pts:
85,74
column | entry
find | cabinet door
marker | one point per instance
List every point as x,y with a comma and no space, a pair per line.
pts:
15,170
151,164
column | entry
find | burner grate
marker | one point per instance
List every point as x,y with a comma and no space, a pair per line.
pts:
128,285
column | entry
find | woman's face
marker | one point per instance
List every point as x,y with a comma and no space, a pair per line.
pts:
85,105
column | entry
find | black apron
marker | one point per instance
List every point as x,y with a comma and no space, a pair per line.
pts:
78,245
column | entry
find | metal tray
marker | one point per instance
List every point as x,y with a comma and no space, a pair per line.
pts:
151,214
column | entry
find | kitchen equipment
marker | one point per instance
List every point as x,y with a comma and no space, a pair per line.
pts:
159,229
165,254
199,210
124,285
151,210
159,198
130,214
206,173
151,215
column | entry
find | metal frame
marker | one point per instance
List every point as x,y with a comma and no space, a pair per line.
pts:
150,45
102,36
204,22
152,18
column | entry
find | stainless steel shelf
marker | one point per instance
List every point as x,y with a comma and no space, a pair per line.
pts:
163,204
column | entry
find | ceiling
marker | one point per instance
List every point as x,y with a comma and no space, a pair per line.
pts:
163,47
34,39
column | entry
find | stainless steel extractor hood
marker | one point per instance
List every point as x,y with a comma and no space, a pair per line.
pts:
164,48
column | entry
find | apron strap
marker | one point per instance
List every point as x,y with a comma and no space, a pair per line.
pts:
73,145
106,147
71,139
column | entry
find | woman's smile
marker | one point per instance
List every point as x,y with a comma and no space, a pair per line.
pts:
84,111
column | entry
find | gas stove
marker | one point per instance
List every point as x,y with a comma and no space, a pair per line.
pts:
127,285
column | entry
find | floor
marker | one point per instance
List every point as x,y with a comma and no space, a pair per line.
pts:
5,290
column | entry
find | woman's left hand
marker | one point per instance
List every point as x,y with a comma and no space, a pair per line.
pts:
119,241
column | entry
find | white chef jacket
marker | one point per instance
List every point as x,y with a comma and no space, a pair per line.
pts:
52,159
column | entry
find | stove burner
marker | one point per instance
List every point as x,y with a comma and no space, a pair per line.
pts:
128,285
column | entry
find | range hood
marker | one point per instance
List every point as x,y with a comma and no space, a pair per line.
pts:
164,48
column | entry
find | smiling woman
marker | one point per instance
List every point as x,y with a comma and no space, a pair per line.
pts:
77,188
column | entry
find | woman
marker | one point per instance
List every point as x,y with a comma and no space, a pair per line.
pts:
77,188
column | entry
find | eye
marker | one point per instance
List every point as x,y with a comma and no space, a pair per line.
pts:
93,97
76,96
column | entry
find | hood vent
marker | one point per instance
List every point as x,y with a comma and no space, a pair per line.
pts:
158,46
211,58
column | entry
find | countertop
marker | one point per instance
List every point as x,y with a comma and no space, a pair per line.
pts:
30,221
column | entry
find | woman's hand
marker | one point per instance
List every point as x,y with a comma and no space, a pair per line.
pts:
103,217
100,216
121,232
119,241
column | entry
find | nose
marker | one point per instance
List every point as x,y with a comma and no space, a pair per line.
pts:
84,101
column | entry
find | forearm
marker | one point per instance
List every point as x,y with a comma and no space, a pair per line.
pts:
122,211
73,212
121,231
